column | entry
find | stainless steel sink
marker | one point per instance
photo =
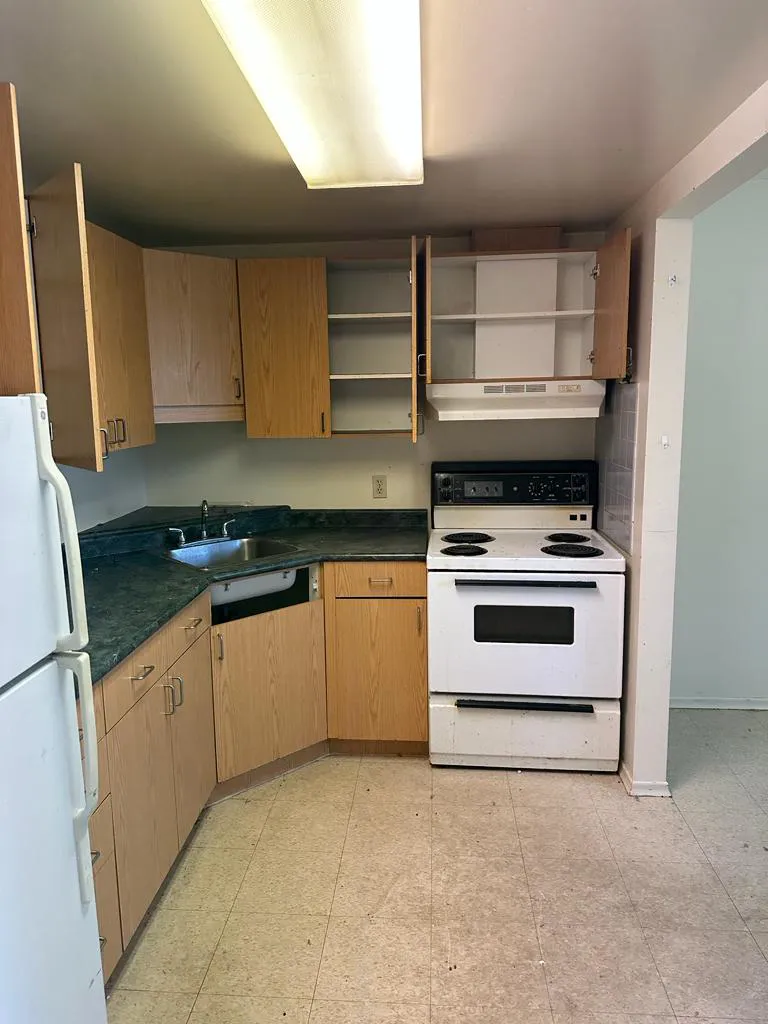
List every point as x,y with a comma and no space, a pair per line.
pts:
225,553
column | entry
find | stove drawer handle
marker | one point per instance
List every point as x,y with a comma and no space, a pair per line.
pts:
525,705
531,584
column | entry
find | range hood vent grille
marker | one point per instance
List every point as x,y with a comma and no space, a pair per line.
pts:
500,400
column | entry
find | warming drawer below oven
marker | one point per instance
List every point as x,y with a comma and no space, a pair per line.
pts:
526,732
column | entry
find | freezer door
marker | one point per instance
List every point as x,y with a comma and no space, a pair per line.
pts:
50,961
36,516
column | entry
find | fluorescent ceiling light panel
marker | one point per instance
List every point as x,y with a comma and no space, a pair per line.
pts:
340,80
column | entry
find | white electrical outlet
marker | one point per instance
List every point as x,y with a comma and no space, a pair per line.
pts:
379,486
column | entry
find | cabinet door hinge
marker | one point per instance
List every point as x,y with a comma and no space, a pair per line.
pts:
595,272
32,227
591,356
410,277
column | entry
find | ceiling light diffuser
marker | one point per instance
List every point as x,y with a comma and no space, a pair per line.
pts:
340,80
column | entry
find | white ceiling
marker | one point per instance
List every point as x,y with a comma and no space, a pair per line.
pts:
548,111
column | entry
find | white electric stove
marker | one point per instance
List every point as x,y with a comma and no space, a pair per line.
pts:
526,618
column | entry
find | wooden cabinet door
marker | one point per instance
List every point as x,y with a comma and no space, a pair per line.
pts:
194,336
296,659
108,915
143,802
243,699
612,307
65,323
284,325
121,340
19,361
377,670
194,754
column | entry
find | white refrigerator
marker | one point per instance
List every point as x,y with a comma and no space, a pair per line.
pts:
50,960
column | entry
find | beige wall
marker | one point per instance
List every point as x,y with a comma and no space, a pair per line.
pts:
730,155
120,488
218,462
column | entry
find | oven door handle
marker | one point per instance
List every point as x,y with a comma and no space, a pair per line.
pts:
525,705
530,584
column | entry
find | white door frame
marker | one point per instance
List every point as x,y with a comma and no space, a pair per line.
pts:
662,229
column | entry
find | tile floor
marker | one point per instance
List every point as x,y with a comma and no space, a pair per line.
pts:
384,892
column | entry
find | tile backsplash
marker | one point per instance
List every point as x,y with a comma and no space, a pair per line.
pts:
616,444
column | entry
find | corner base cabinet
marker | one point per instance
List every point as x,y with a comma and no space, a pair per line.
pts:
269,686
376,650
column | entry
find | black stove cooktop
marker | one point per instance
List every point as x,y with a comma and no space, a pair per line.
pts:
572,550
467,537
464,549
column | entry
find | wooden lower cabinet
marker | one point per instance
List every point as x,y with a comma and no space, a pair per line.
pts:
108,915
377,669
268,687
143,802
194,756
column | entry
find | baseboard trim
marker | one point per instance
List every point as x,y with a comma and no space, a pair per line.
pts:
268,772
636,788
724,704
380,748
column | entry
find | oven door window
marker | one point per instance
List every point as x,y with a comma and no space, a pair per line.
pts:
523,624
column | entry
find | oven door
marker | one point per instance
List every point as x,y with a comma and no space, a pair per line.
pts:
553,634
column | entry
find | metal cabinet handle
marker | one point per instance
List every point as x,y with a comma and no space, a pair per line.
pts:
148,670
322,422
221,646
385,581
95,854
123,435
194,623
180,681
169,686
419,623
102,941
421,368
105,453
238,388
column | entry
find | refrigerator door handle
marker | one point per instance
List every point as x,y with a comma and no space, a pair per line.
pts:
87,771
50,472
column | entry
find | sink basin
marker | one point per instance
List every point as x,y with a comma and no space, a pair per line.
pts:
225,553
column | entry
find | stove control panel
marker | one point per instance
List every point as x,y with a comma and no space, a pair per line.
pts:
545,483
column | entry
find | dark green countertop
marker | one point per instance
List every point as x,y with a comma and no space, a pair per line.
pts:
130,596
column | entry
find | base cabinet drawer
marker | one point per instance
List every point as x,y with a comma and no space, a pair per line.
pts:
379,579
108,915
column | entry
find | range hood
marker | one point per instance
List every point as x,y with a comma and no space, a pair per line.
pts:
515,400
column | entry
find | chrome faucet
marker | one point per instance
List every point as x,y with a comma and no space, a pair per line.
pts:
203,520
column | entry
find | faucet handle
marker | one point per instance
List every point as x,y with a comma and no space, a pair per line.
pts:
179,534
225,527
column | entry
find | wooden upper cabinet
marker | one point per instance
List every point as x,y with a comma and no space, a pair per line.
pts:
194,337
284,326
120,332
19,360
65,321
93,328
612,307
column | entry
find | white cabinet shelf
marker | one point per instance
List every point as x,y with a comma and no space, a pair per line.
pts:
368,316
370,376
552,314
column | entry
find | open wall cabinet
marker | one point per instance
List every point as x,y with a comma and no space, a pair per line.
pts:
536,316
372,339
